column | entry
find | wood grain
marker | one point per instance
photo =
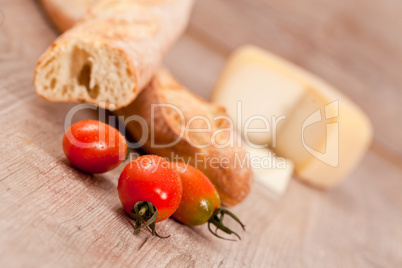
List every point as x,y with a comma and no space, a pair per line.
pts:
55,216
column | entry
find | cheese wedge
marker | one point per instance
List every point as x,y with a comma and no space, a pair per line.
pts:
298,115
271,171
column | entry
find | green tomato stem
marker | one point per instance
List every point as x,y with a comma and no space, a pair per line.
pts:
217,220
145,215
143,209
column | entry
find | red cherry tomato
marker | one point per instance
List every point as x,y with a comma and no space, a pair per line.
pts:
200,202
150,183
94,147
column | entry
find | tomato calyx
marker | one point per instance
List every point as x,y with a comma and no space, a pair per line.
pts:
217,220
145,215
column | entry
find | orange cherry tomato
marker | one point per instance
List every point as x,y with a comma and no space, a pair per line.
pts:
200,202
200,198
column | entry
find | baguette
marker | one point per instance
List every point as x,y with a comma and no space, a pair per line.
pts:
164,126
65,14
112,53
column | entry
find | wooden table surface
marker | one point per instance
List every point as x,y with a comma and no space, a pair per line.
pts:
55,216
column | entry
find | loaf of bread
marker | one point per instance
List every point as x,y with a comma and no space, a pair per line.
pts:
170,121
111,54
64,14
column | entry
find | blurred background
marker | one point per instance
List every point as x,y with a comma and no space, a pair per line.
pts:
355,45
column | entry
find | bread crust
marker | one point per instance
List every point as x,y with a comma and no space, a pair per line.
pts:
65,14
232,181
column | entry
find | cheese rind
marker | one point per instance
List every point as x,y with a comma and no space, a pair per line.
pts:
321,131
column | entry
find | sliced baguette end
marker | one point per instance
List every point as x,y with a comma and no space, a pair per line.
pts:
80,71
